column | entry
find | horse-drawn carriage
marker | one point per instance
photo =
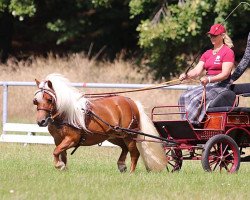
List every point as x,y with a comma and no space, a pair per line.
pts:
75,121
218,142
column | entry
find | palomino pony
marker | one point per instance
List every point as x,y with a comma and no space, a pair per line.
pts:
74,120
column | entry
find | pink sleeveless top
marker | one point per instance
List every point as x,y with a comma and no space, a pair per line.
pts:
213,63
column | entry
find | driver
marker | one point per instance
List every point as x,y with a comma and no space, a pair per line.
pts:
218,63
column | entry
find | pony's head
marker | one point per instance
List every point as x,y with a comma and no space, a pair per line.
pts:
55,96
45,100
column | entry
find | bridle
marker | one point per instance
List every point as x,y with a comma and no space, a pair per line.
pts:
47,109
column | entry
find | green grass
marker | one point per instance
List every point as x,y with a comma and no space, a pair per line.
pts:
28,173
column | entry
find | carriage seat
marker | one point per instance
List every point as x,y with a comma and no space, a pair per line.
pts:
225,100
241,89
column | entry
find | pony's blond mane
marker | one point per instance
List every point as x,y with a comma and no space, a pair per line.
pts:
69,100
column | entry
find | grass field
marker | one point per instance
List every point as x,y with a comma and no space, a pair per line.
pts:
28,173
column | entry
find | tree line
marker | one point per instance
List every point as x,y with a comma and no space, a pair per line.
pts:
165,35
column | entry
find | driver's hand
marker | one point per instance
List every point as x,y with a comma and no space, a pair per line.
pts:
204,80
183,76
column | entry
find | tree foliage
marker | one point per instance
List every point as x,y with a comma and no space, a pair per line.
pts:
169,33
92,26
19,8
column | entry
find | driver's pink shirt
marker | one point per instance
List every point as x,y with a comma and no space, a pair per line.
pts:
213,63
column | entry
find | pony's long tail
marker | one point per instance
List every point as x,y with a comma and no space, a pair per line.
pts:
152,153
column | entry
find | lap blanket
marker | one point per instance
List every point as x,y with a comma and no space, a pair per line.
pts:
191,100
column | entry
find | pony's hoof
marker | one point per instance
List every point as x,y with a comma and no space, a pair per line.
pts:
122,168
61,166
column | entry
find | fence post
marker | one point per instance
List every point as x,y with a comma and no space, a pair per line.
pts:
5,103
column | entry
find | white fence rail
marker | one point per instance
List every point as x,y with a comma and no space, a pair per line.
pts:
32,129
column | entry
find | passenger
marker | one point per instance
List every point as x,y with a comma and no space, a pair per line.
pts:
244,63
218,64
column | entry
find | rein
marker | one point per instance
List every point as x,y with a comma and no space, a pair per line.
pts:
156,86
203,100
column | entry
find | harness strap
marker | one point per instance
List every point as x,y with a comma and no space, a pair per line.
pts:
130,131
43,108
44,90
133,118
55,115
90,112
82,139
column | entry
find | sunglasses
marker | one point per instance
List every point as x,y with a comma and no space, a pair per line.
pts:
212,36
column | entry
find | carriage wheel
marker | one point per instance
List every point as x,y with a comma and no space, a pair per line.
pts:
174,157
221,153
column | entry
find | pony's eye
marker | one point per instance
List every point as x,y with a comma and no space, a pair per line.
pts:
50,100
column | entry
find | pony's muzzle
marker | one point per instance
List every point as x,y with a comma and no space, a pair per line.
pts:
44,122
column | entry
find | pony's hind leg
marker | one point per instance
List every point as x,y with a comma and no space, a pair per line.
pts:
134,153
121,161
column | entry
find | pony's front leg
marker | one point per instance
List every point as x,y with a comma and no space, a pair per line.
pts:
63,157
60,155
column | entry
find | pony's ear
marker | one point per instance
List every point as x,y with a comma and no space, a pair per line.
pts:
50,85
37,82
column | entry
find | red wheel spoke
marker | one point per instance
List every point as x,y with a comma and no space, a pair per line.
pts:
167,152
221,147
229,162
226,166
215,149
170,159
171,164
215,157
221,165
225,149
229,154
173,167
213,161
215,166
